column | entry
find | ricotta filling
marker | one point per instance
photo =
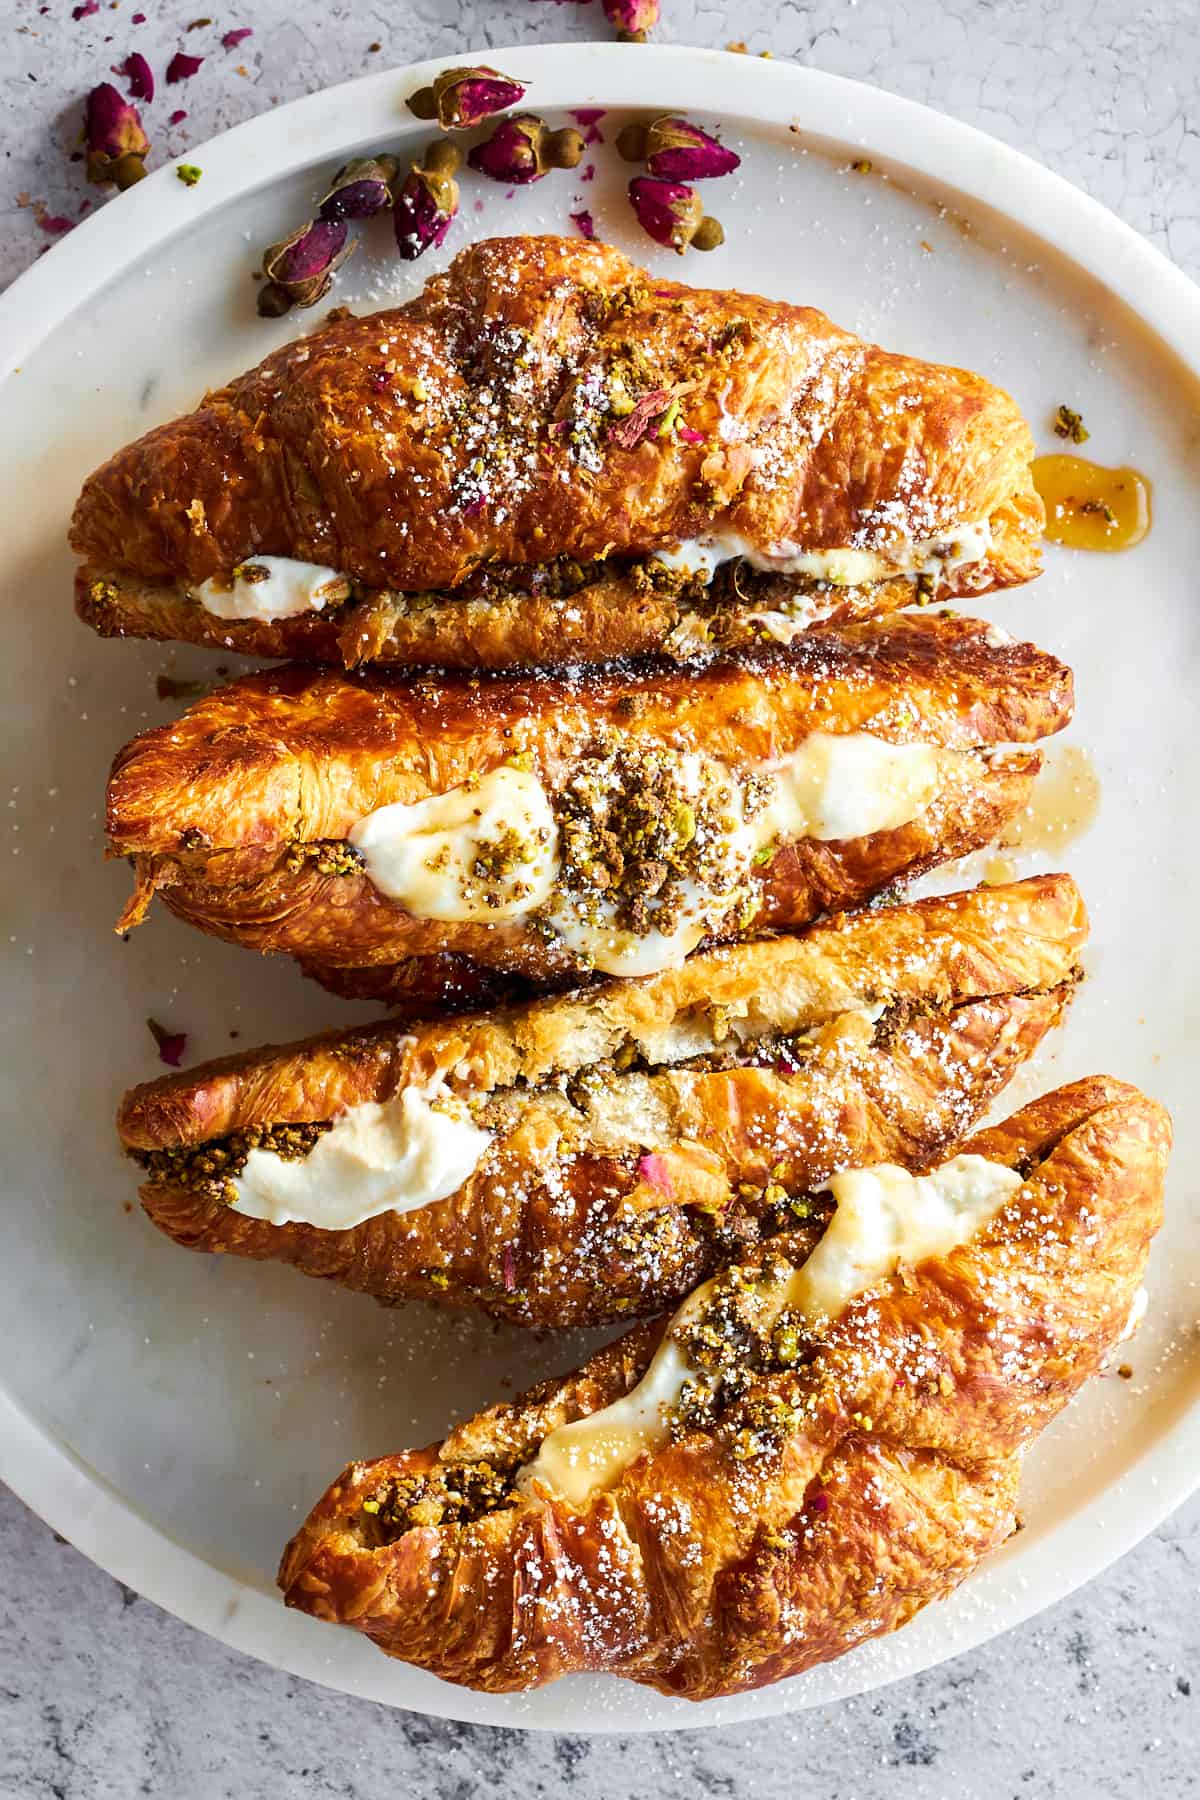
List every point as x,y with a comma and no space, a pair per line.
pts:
884,1216
489,850
382,1156
485,850
272,587
936,557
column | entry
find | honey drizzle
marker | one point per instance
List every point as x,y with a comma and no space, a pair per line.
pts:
1089,507
1066,799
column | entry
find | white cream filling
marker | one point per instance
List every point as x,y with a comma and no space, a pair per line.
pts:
272,587
390,1156
884,1216
844,567
847,785
427,855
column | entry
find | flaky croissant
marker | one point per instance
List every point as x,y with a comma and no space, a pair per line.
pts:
639,1132
625,816
820,1475
542,459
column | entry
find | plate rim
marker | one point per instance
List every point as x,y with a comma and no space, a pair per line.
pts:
42,1470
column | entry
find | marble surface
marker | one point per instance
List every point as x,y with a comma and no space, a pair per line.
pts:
103,1695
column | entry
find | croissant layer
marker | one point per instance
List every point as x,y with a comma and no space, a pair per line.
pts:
239,812
646,1131
493,466
832,1490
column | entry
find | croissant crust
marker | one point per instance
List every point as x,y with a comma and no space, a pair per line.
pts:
466,438
708,1568
214,807
566,1223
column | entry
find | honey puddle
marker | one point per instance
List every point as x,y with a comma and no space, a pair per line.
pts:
1089,507
1066,799
999,869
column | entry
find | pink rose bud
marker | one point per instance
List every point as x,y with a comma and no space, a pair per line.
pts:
679,151
669,211
360,190
655,1171
424,211
521,150
300,268
461,98
117,146
632,18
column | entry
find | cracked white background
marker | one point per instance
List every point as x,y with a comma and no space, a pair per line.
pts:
102,1696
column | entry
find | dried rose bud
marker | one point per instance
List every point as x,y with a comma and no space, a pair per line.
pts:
670,211
424,211
302,266
680,151
632,18
360,190
461,98
117,146
522,149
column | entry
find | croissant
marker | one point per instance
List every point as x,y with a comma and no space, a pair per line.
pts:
818,1444
551,456
546,827
595,1155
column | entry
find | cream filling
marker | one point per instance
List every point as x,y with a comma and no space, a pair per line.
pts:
272,587
433,856
390,1156
884,1217
845,567
485,850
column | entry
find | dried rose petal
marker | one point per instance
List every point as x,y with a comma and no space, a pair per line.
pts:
584,224
116,144
680,151
669,211
232,39
637,424
54,224
171,1044
177,117
632,18
588,119
522,149
139,75
655,1171
424,211
689,434
508,1264
361,189
137,19
181,66
461,98
85,9
302,266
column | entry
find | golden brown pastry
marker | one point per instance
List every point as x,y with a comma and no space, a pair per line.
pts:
547,827
550,456
596,1154
820,1442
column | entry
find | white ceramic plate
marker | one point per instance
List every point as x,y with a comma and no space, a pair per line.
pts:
174,1416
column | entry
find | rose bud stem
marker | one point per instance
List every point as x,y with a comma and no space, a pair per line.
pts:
631,142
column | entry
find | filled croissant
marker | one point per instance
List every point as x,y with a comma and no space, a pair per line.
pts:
594,1155
550,456
549,827
820,1441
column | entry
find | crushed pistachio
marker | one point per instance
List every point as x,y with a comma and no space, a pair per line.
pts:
325,856
1069,425
188,173
211,1169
